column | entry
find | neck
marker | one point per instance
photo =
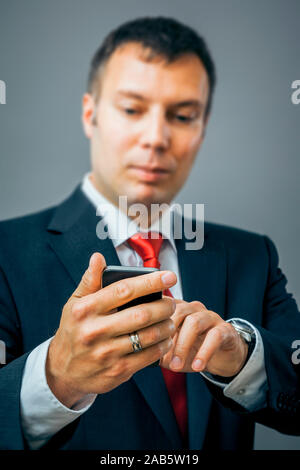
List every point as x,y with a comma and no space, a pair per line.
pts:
144,218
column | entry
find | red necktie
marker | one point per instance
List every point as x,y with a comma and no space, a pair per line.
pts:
148,249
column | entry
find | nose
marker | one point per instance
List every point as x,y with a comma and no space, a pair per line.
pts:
156,132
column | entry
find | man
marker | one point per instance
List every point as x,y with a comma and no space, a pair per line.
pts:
73,378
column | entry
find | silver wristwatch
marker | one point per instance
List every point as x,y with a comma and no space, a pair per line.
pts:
243,330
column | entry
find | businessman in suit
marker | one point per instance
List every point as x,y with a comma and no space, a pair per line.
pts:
80,373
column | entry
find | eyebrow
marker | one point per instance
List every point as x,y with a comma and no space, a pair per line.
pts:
180,104
131,94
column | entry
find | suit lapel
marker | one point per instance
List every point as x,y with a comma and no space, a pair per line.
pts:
151,384
203,278
72,236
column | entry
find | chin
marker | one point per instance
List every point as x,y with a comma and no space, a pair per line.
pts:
147,195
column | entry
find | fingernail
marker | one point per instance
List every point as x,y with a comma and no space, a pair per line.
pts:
197,364
90,268
176,362
168,278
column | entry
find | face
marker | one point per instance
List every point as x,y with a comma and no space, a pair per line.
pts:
146,126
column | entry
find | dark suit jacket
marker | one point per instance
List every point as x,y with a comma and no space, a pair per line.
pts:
236,274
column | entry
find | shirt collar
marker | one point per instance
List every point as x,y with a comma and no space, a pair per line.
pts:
119,226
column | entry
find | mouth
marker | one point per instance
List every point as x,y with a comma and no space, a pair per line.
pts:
147,174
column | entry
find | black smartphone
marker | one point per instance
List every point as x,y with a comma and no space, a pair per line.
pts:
116,273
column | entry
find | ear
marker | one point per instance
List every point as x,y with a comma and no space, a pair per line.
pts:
88,116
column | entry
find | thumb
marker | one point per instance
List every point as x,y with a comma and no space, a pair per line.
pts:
91,281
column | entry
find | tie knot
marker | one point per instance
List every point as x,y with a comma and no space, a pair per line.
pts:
147,245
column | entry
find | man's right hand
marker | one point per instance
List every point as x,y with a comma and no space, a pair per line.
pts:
91,351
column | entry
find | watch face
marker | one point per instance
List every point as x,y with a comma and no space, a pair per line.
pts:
245,332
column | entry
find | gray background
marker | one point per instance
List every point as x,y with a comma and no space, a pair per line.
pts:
248,169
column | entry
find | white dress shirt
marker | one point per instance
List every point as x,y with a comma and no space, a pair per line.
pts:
43,415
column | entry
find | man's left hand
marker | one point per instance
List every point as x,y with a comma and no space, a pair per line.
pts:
202,335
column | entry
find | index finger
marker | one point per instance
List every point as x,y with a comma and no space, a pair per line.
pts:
121,292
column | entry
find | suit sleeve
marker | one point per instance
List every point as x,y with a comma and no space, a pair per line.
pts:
11,436
42,414
279,329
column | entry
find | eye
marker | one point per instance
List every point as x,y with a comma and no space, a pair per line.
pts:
183,118
131,111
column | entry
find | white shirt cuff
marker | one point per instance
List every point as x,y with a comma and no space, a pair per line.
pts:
249,387
42,414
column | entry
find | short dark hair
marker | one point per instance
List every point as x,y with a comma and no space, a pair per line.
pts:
165,37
